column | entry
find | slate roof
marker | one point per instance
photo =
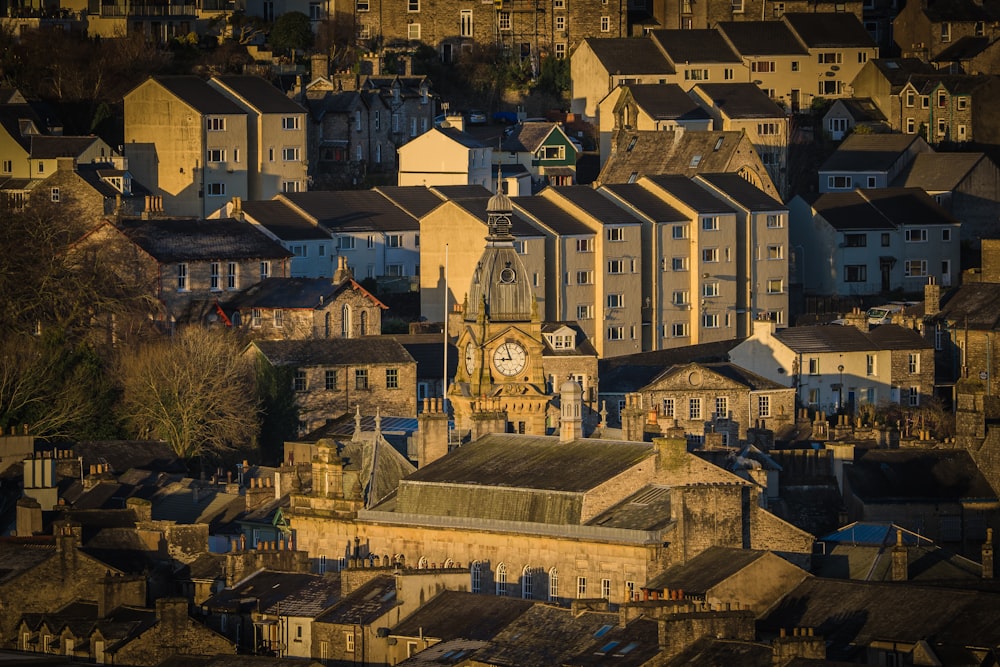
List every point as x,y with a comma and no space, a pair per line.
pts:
262,590
583,345
453,192
630,372
832,338
605,210
123,455
428,351
629,55
728,370
829,30
666,101
519,227
195,92
646,509
528,137
762,38
462,138
416,200
710,652
260,94
11,116
177,502
692,194
462,615
667,152
365,605
897,71
283,221
553,216
973,305
20,554
334,352
964,48
919,475
94,174
745,193
48,148
709,568
353,210
742,100
644,201
862,109
938,172
311,600
192,239
869,152
884,208
694,46
534,462
958,10
305,293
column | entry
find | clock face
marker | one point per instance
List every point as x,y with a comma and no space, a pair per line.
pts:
470,357
510,358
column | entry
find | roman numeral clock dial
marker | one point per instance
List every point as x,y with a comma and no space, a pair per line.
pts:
510,358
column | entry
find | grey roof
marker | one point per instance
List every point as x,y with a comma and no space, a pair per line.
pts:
964,48
11,116
666,101
260,94
869,152
694,46
20,554
605,210
48,148
462,615
692,194
742,100
832,338
743,192
884,208
973,305
533,462
939,172
334,352
709,568
632,371
897,71
184,502
629,55
476,207
353,210
417,200
822,30
711,651
452,192
123,455
462,138
261,590
645,202
366,604
428,351
552,215
728,370
667,152
199,95
307,293
862,109
528,137
284,221
762,38
917,475
310,600
193,239
960,10
583,345
646,509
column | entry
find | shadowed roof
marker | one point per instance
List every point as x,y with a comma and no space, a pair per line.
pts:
973,305
869,152
461,615
694,46
833,338
193,239
741,100
709,568
645,202
353,210
260,94
603,209
822,30
553,216
666,101
938,172
743,192
284,221
48,148
762,38
917,475
691,194
883,208
629,55
417,200
528,137
334,352
198,94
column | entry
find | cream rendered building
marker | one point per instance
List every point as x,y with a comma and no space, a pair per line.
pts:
445,156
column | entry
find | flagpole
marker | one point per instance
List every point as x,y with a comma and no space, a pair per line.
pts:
444,391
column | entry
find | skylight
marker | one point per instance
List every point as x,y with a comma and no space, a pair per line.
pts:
631,646
695,161
601,631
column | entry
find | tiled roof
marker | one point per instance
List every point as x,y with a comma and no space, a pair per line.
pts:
956,84
762,38
283,221
834,338
417,200
307,293
551,215
692,194
309,601
644,201
123,455
711,651
519,227
709,568
460,137
199,95
666,101
829,30
648,153
603,209
862,109
869,152
646,509
365,605
19,554
742,100
694,46
897,71
453,192
47,148
964,48
353,210
633,371
528,137
334,352
973,305
462,615
193,239
884,208
742,191
627,56
918,475
260,94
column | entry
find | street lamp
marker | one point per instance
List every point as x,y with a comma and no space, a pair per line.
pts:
840,388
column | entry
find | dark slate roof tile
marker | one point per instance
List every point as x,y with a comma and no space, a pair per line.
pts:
260,94
862,109
307,293
644,201
528,137
193,239
829,30
833,338
629,55
743,192
709,568
762,38
551,215
693,195
353,210
48,148
694,46
964,48
886,208
462,615
283,221
918,475
199,95
938,172
869,152
334,352
666,101
742,100
973,305
639,153
646,509
365,605
417,200
605,210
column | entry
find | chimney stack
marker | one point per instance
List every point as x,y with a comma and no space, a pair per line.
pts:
988,555
900,560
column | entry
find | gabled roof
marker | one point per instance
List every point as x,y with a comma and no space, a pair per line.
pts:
964,48
261,590
869,152
666,101
195,92
648,153
829,30
748,379
956,84
742,100
310,600
462,615
861,109
973,305
352,210
883,208
629,55
12,118
519,227
646,509
762,38
644,201
832,338
282,220
459,137
453,192
959,11
193,239
260,94
306,293
917,475
417,200
694,46
709,568
601,208
619,375
44,147
529,137
365,605
701,200
334,352
897,71
742,191
552,215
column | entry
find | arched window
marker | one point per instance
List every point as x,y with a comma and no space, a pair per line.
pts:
477,577
501,579
345,322
422,563
449,563
526,583
553,585
364,322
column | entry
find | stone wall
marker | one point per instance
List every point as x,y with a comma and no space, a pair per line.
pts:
174,633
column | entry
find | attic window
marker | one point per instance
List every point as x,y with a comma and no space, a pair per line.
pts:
718,143
601,631
631,144
695,161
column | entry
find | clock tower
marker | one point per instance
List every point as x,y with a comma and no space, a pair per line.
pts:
500,345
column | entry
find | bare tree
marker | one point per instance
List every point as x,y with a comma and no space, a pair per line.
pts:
195,391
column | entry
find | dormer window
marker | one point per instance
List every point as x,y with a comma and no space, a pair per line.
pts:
564,339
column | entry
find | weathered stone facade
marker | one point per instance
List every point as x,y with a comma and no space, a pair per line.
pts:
699,15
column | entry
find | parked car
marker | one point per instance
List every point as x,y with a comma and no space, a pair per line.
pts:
477,117
505,117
